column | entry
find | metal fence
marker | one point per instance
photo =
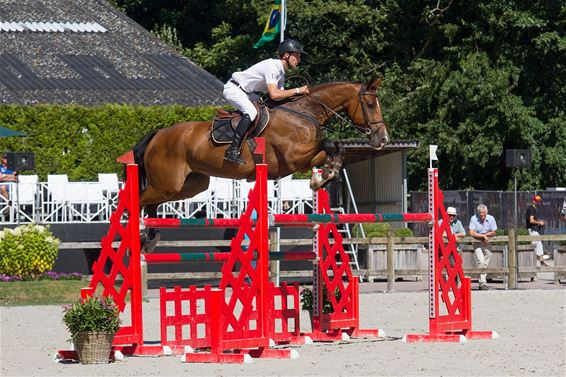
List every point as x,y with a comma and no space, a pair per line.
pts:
501,205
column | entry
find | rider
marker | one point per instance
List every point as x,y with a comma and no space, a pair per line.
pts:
267,75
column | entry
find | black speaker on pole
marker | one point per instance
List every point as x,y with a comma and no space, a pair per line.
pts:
20,161
518,158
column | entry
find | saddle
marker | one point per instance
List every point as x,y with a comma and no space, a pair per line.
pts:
225,122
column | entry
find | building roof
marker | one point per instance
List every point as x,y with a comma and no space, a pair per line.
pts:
87,52
360,150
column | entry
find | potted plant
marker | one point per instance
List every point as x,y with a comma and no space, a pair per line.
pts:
92,322
307,302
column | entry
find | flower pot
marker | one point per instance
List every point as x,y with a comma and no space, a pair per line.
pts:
93,347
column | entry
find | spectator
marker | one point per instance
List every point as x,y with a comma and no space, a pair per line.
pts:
6,175
535,227
457,230
455,225
482,228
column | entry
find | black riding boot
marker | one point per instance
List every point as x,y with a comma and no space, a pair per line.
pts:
232,154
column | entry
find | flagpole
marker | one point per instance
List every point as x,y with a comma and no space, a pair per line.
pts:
283,20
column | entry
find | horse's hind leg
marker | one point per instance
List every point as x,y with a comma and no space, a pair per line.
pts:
152,235
194,184
150,199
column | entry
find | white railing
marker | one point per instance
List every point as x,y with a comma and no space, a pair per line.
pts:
61,201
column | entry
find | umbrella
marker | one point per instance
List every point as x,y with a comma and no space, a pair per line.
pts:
6,132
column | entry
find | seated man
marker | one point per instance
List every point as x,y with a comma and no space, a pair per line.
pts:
6,175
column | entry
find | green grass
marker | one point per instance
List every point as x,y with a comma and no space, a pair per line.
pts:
43,292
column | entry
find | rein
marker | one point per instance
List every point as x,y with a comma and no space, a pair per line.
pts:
364,131
306,116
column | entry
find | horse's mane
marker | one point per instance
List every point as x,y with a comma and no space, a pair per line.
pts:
300,102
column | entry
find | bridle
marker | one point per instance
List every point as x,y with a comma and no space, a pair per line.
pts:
365,130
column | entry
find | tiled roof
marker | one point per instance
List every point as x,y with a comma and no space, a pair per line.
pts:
87,52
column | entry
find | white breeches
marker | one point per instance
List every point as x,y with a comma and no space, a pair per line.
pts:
239,99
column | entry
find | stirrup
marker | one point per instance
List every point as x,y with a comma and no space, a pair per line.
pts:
234,157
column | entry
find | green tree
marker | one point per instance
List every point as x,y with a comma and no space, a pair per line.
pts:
475,77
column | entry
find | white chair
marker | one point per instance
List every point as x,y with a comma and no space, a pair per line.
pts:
109,182
244,188
189,208
55,202
85,201
26,200
110,188
222,190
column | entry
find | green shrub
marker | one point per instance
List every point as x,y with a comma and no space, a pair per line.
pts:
307,300
372,230
403,232
81,141
27,250
93,314
381,230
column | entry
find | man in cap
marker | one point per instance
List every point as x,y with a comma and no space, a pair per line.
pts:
535,226
457,230
455,225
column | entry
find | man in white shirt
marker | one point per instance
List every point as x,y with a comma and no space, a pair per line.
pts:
482,228
265,76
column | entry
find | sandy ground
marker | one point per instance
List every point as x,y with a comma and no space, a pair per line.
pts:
531,324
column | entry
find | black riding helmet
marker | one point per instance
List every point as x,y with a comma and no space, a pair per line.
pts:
290,45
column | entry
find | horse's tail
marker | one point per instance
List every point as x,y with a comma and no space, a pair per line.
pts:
139,151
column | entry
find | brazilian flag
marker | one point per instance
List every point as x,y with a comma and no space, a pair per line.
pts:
273,25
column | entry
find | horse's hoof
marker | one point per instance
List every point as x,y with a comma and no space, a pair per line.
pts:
149,246
315,183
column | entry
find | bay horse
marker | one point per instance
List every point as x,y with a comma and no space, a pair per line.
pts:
176,162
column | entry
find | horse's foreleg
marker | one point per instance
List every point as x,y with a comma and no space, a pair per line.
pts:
332,157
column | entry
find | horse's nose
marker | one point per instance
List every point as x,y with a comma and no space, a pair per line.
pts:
380,139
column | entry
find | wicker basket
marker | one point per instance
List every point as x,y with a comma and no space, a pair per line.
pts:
93,347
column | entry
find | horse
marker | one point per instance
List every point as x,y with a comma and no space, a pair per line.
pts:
177,162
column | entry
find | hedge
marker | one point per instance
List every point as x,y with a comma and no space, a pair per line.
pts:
27,250
83,141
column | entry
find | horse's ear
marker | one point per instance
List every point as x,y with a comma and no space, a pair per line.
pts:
373,84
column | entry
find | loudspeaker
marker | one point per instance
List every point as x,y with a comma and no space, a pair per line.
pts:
20,161
518,158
